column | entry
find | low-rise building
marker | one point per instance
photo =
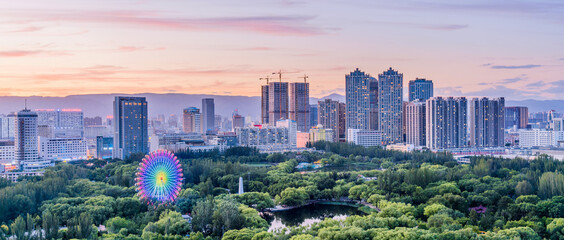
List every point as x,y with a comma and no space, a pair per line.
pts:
538,138
13,176
262,135
7,151
366,138
320,133
63,149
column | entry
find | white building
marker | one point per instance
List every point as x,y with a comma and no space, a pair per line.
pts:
65,122
262,135
7,126
63,149
536,138
13,176
292,127
7,151
415,123
402,147
366,138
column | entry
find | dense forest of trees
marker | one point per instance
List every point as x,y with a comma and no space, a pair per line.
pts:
419,195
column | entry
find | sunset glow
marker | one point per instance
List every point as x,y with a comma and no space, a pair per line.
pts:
63,47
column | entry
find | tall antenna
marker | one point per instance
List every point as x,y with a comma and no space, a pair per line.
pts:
25,104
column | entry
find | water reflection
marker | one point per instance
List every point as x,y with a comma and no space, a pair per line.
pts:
310,214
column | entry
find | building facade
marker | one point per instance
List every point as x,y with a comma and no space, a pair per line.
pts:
365,138
446,123
313,111
535,138
331,115
358,95
104,147
8,126
262,136
420,89
390,106
299,105
320,133
191,120
26,147
64,122
130,126
238,121
7,151
487,121
264,105
277,101
516,117
415,123
208,116
63,149
292,127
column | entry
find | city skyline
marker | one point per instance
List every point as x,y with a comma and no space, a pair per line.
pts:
62,48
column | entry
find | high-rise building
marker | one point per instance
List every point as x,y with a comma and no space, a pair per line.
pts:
517,117
313,115
446,122
292,127
130,126
264,107
277,102
104,147
238,121
208,116
487,120
420,89
64,122
373,90
359,99
415,123
217,121
390,106
557,123
299,105
191,120
331,116
8,126
26,147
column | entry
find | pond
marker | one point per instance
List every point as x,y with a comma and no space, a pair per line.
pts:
310,214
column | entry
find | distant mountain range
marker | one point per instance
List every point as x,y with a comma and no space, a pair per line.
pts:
173,103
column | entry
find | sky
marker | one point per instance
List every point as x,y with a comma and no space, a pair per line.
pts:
512,49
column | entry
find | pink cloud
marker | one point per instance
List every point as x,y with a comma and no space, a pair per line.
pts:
271,25
25,53
18,53
135,48
130,48
27,29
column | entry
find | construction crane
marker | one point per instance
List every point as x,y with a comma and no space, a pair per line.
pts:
279,73
305,77
267,78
